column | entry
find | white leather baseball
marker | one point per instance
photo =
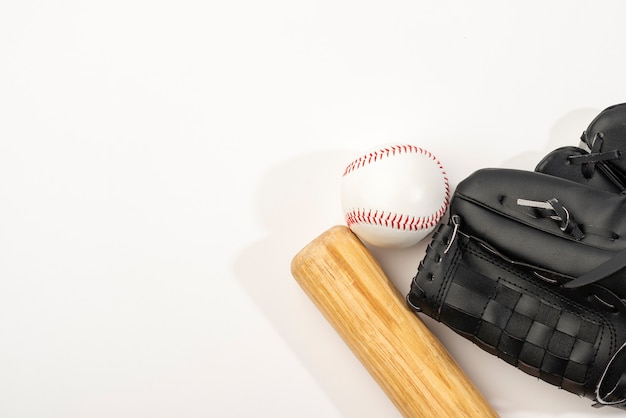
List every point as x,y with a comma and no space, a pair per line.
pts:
394,196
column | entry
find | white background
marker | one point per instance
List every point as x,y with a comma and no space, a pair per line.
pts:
162,161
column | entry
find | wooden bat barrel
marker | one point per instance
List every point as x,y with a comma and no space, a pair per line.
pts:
412,367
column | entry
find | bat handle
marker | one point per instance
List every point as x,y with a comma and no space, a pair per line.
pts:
412,367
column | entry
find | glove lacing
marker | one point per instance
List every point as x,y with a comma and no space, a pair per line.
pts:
611,388
595,155
554,210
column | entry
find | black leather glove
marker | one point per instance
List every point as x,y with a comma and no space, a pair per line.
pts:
600,161
530,267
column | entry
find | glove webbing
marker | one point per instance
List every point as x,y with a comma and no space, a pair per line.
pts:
509,313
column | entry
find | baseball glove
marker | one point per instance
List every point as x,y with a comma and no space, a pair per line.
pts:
530,268
599,161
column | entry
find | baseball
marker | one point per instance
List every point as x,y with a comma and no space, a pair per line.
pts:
394,196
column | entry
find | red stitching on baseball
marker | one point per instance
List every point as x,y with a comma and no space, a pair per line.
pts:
397,220
386,152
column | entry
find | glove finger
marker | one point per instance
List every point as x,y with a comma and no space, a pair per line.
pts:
605,138
565,163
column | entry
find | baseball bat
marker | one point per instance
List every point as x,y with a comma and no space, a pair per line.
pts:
412,367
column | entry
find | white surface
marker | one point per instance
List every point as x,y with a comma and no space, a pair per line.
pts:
394,195
161,163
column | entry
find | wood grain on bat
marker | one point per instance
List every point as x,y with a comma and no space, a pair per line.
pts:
349,287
